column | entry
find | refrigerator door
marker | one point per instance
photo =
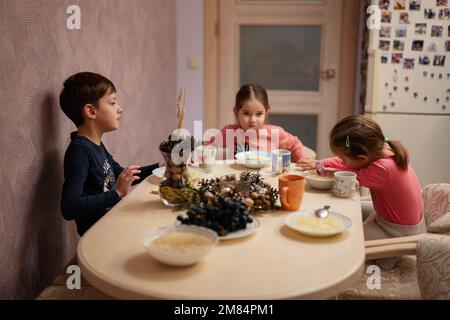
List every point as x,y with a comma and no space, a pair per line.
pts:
408,86
427,139
409,59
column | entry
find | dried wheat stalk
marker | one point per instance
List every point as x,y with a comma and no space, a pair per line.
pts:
181,109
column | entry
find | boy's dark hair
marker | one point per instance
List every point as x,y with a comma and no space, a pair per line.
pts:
81,89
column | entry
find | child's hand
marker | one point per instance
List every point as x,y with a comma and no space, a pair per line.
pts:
125,179
307,164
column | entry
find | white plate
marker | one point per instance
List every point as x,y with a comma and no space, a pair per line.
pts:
289,221
159,172
251,229
254,159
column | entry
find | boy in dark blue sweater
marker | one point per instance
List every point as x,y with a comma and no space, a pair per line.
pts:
93,181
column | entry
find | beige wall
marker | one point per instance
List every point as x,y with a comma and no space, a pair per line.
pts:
133,43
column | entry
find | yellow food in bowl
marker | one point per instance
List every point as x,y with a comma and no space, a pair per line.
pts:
256,158
179,245
321,178
182,243
328,224
315,176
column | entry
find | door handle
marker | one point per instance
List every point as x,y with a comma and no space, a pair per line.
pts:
328,74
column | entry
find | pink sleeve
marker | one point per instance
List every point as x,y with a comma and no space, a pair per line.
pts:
335,163
293,144
373,176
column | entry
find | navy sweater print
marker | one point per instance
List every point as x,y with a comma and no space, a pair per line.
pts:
90,175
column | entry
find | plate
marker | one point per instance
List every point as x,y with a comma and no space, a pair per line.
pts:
159,172
314,232
251,229
254,159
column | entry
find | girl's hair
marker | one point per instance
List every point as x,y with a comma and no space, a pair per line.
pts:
359,135
251,91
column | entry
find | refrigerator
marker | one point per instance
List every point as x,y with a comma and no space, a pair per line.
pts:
408,82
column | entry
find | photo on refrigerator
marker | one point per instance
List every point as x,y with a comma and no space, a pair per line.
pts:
384,4
399,45
414,5
404,18
417,45
385,16
408,63
429,13
424,60
436,31
444,14
439,60
397,58
385,32
421,29
399,4
401,31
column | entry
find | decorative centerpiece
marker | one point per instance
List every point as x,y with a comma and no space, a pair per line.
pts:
176,188
225,204
249,188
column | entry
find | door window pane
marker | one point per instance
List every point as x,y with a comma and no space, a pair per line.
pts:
280,57
300,125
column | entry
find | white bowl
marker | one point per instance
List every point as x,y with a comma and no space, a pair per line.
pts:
254,159
179,245
318,182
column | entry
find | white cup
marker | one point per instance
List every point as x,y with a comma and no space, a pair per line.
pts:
281,161
345,184
206,157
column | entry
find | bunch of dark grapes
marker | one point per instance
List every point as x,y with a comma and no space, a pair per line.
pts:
221,214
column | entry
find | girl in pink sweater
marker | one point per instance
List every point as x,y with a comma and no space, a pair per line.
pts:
251,131
382,166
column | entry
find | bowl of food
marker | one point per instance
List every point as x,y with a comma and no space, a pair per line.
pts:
179,245
316,181
254,159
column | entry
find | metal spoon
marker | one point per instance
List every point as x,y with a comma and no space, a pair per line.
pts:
323,212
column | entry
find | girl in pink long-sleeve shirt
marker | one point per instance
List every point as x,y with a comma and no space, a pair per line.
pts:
382,166
251,131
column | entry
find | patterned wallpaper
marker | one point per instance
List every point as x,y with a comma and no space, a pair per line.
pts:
133,43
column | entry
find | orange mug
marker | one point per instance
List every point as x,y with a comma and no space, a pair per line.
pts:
291,189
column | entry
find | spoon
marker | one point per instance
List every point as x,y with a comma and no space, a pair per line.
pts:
323,212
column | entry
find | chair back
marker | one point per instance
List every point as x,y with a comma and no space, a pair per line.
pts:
436,201
433,272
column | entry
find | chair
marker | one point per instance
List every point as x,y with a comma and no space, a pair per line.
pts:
423,271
